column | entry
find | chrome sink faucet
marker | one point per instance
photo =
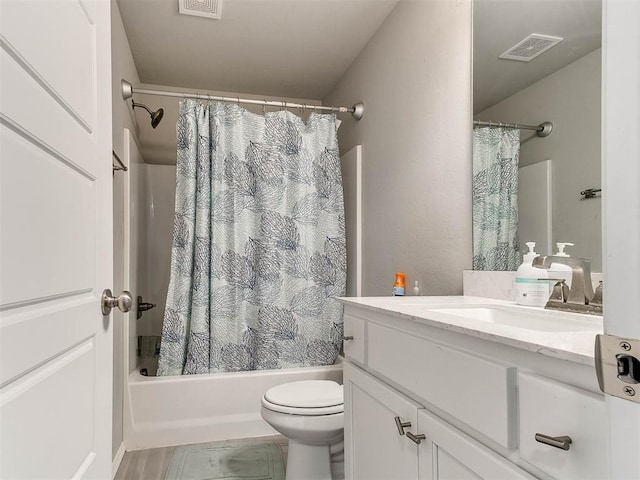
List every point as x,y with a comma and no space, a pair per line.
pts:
581,291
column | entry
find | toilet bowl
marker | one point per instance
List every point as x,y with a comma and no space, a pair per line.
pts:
310,414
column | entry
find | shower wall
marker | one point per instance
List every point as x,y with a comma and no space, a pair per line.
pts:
160,187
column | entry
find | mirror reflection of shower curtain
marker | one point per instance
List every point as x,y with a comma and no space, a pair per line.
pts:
258,242
496,155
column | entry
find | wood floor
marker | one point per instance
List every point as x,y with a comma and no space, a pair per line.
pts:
152,464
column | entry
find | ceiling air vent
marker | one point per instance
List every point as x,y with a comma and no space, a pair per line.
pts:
529,48
201,8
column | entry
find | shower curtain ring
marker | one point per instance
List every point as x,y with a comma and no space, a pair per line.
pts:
238,101
264,106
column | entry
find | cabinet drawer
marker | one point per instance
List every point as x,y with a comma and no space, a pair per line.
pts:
555,409
354,327
480,393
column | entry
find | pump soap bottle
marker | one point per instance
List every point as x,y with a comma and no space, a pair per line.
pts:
531,287
560,270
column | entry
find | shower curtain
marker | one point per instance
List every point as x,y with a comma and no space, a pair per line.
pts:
258,242
496,157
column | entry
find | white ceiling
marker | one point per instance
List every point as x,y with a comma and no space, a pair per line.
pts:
301,48
289,48
500,24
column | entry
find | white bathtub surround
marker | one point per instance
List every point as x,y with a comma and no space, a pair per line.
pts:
177,410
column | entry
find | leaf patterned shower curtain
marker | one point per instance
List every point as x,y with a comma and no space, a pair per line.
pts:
258,242
496,158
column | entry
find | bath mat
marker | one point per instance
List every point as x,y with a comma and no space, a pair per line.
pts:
228,461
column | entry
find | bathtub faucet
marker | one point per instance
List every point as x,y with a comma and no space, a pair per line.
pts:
143,307
581,291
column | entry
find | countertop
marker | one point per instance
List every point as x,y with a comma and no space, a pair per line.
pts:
571,337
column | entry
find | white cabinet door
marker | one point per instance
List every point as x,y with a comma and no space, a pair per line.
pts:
556,409
55,239
456,456
374,449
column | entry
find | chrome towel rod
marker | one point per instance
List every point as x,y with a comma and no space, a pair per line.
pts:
120,165
542,130
127,92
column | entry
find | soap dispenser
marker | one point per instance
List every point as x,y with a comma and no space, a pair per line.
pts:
532,288
560,270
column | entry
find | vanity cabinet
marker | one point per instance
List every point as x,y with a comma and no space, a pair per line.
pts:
474,406
376,449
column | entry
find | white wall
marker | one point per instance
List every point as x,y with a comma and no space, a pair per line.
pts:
414,78
122,67
118,317
570,99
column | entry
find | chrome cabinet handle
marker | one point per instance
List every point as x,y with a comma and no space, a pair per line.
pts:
122,301
347,337
401,425
563,442
416,438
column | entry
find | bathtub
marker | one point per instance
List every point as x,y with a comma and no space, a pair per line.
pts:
164,411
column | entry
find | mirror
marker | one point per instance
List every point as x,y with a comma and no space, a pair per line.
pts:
562,86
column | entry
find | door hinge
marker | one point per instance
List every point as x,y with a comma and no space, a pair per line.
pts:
618,366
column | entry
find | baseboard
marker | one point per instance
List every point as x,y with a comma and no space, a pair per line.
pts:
117,460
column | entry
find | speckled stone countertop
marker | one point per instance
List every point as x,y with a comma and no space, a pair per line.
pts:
562,335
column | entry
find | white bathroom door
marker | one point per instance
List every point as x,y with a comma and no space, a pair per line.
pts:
621,201
55,239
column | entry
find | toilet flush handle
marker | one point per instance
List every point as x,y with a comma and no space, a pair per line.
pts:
347,337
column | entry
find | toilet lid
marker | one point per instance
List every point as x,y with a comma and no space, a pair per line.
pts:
306,394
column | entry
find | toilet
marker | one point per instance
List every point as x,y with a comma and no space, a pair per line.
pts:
310,414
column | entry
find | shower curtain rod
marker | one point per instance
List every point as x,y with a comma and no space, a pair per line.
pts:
542,130
127,92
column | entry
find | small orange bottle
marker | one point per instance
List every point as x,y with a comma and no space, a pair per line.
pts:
398,286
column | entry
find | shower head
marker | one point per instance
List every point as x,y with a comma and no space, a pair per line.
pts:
155,116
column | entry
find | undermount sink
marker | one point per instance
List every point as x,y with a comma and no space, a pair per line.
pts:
527,320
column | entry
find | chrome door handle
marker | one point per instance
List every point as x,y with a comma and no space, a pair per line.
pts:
122,301
563,442
347,337
400,425
416,438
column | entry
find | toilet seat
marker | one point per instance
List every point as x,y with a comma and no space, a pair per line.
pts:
307,397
